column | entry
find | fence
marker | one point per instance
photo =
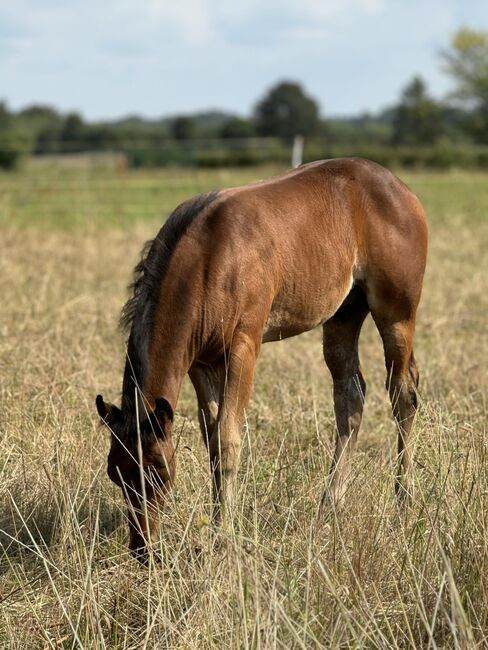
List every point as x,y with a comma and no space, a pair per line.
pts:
247,152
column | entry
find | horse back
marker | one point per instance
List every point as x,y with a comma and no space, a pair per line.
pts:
279,257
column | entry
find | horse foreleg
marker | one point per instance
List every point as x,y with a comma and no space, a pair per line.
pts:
225,442
207,381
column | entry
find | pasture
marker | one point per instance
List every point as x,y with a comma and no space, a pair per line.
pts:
369,578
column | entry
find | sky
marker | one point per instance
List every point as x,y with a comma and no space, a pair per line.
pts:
112,58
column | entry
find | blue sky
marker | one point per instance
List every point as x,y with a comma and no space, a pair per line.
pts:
109,58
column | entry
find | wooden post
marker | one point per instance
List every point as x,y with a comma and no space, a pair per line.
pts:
297,151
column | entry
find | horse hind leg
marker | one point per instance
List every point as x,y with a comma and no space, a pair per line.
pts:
402,382
341,337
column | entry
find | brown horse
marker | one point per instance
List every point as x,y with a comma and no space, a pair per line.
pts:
324,244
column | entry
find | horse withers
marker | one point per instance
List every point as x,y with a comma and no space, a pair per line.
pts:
324,244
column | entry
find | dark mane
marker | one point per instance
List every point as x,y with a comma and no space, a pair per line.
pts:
138,312
155,257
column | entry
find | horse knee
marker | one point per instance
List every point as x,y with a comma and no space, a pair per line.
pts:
403,396
413,397
353,388
414,371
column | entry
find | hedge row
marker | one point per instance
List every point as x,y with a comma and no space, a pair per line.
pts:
444,156
254,151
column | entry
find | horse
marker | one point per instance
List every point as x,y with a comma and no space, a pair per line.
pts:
324,244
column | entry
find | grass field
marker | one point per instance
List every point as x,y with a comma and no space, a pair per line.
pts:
368,579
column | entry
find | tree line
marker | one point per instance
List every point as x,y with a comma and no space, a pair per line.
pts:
416,125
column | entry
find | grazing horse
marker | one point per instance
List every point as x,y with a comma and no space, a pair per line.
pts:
324,244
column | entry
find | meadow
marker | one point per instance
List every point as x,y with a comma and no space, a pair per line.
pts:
368,578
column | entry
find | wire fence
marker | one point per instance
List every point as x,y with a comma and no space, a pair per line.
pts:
149,178
85,190
155,152
137,144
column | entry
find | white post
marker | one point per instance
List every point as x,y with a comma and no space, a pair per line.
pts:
297,151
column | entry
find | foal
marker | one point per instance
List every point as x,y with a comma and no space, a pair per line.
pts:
325,244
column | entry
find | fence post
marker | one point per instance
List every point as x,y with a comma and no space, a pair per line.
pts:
297,151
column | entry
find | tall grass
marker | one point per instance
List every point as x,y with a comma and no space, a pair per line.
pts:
278,578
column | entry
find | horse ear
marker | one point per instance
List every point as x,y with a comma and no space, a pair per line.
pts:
164,414
108,412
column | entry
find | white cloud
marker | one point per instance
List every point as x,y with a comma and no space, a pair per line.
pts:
192,18
109,57
326,9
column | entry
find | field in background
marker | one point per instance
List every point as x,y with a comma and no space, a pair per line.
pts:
83,193
369,578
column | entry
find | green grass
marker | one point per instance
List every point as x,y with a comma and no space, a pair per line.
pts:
368,579
67,196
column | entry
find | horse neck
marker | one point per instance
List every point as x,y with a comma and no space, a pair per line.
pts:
168,363
158,364
165,350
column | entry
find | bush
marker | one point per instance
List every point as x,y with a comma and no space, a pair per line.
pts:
13,141
14,145
441,156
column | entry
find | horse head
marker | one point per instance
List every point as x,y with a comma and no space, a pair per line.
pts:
141,462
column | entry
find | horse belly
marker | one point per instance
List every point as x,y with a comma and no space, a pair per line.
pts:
295,311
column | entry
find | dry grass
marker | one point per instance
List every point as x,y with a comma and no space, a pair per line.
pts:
370,578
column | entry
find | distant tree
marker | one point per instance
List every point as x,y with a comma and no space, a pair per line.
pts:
286,111
460,124
5,115
182,127
467,63
100,137
237,127
72,133
13,142
417,119
39,114
48,139
44,124
208,124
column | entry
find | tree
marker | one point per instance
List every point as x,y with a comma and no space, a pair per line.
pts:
417,119
286,111
237,127
72,133
100,137
467,63
43,124
13,142
183,128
